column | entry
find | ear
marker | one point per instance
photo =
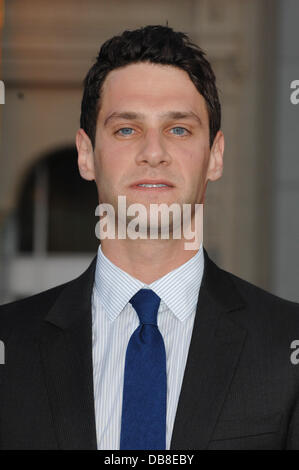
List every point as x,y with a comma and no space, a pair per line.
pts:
85,155
215,167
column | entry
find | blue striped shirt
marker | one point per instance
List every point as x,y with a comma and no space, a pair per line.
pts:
113,322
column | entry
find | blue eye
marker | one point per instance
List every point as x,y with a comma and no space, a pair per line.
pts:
125,131
179,130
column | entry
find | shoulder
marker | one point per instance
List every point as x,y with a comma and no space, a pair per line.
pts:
258,295
264,309
28,312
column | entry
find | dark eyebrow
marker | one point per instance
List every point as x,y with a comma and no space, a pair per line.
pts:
170,115
124,115
182,115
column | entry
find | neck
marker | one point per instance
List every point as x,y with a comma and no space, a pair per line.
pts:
147,260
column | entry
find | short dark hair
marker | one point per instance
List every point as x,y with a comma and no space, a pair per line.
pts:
156,44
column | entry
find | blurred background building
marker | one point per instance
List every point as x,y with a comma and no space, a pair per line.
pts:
47,211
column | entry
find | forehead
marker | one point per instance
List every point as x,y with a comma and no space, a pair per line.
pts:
151,87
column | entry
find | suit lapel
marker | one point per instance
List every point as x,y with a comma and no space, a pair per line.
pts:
214,351
66,353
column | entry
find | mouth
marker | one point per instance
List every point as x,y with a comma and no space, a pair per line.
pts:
152,185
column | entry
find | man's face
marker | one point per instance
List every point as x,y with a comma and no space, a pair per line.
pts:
152,127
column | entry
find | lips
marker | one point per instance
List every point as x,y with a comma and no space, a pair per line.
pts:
151,181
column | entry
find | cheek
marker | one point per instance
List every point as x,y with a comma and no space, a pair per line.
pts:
112,153
193,170
199,158
106,159
111,173
192,165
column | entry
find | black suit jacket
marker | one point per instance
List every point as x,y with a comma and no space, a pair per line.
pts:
240,389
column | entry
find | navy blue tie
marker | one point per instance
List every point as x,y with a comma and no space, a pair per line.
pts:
143,425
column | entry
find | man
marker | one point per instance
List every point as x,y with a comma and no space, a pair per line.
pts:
153,346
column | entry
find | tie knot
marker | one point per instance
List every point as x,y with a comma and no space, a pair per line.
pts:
146,303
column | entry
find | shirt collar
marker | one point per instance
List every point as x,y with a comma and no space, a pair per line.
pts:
177,289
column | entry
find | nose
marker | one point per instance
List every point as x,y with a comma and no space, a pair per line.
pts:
153,150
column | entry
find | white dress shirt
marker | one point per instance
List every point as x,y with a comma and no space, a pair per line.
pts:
113,322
